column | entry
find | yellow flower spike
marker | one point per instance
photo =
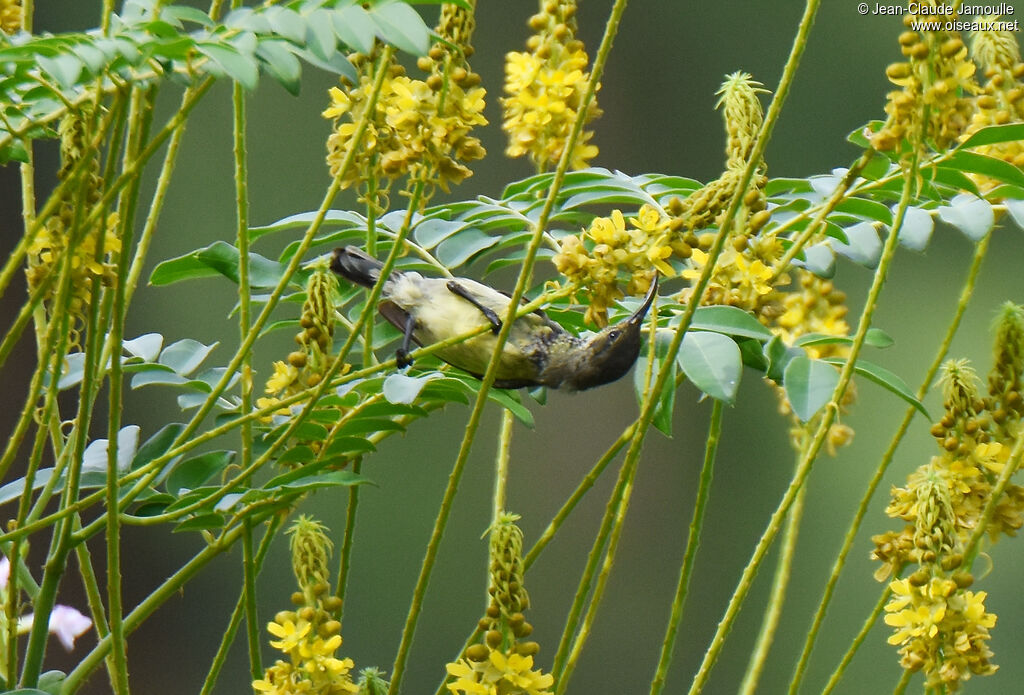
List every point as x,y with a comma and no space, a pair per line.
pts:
545,88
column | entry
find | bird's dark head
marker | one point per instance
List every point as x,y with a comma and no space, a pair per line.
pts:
609,354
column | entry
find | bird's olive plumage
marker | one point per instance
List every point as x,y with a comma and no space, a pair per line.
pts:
539,352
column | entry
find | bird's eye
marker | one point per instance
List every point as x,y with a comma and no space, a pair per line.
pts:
613,335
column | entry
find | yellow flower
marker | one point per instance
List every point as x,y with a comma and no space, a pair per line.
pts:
340,104
498,674
283,376
291,634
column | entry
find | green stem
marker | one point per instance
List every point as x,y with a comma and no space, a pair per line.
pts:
501,462
236,615
148,605
60,541
246,383
345,554
904,681
833,681
692,544
837,196
807,461
777,597
492,367
252,624
980,251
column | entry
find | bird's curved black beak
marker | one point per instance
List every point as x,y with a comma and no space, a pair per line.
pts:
638,316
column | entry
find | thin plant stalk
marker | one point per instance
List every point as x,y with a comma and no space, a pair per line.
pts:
118,655
692,544
827,418
236,615
776,598
345,552
151,603
847,657
980,250
245,380
647,411
523,279
501,462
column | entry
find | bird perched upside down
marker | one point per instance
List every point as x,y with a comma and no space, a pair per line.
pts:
539,352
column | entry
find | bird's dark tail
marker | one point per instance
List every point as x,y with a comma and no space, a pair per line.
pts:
355,265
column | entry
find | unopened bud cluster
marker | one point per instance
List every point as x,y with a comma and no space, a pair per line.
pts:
937,83
1001,97
10,16
306,366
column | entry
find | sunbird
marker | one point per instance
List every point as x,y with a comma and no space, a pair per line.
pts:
539,352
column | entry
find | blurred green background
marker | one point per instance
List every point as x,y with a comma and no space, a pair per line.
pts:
657,96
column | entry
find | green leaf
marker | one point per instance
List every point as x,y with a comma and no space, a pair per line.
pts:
94,458
399,388
158,445
72,371
778,355
287,23
865,248
64,67
194,472
217,258
665,401
1016,210
953,178
877,167
985,165
819,259
809,385
864,208
145,346
729,320
200,522
917,228
185,355
993,134
875,337
401,26
353,26
884,378
281,63
187,14
320,38
712,362
456,250
972,215
309,477
240,68
432,231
